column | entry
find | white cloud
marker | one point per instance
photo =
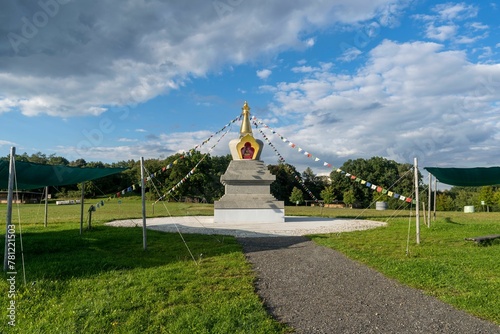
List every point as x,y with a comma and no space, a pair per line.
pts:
350,54
441,33
310,42
478,26
415,99
127,140
6,104
453,22
6,143
95,58
455,11
303,69
160,146
264,74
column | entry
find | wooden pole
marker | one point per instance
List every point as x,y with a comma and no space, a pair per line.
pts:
8,221
82,207
46,206
417,211
429,201
435,196
90,217
143,195
423,214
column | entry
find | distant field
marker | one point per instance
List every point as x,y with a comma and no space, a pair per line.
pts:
103,281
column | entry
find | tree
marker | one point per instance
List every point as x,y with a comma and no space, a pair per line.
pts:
297,196
282,187
78,163
328,195
462,198
444,202
486,195
496,198
349,197
313,182
55,160
90,190
376,170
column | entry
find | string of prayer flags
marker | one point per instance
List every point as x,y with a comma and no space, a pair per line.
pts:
338,170
270,144
301,182
176,161
216,133
309,192
191,172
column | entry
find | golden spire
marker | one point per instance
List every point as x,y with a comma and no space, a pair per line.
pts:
246,127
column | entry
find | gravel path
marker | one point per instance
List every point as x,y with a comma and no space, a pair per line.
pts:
318,290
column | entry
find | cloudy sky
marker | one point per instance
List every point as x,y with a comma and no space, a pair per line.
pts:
342,79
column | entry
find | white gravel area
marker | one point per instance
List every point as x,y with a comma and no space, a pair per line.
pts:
293,226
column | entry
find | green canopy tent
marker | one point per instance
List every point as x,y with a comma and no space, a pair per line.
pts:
33,176
30,175
466,177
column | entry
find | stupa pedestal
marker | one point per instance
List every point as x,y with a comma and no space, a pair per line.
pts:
248,196
247,183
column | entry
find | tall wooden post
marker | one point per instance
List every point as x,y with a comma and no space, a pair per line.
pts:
143,194
435,197
429,201
46,206
82,207
8,220
417,211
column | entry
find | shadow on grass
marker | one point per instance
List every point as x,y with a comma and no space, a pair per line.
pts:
449,221
65,254
494,242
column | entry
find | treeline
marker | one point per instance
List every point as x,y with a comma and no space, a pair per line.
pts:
203,183
485,198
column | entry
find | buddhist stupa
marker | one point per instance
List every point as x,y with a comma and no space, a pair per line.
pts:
247,182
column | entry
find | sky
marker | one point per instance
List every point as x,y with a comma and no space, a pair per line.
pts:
116,80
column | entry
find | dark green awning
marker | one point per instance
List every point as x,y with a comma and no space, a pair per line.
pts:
467,177
32,176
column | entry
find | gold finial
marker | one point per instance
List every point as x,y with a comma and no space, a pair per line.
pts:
246,127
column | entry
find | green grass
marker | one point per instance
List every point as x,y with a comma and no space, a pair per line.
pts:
103,281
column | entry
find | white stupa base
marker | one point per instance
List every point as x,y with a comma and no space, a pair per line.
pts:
275,215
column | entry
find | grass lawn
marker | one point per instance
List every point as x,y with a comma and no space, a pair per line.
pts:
103,281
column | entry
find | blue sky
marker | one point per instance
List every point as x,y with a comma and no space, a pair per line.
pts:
345,79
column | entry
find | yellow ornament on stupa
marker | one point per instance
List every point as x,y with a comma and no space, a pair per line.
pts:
246,147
